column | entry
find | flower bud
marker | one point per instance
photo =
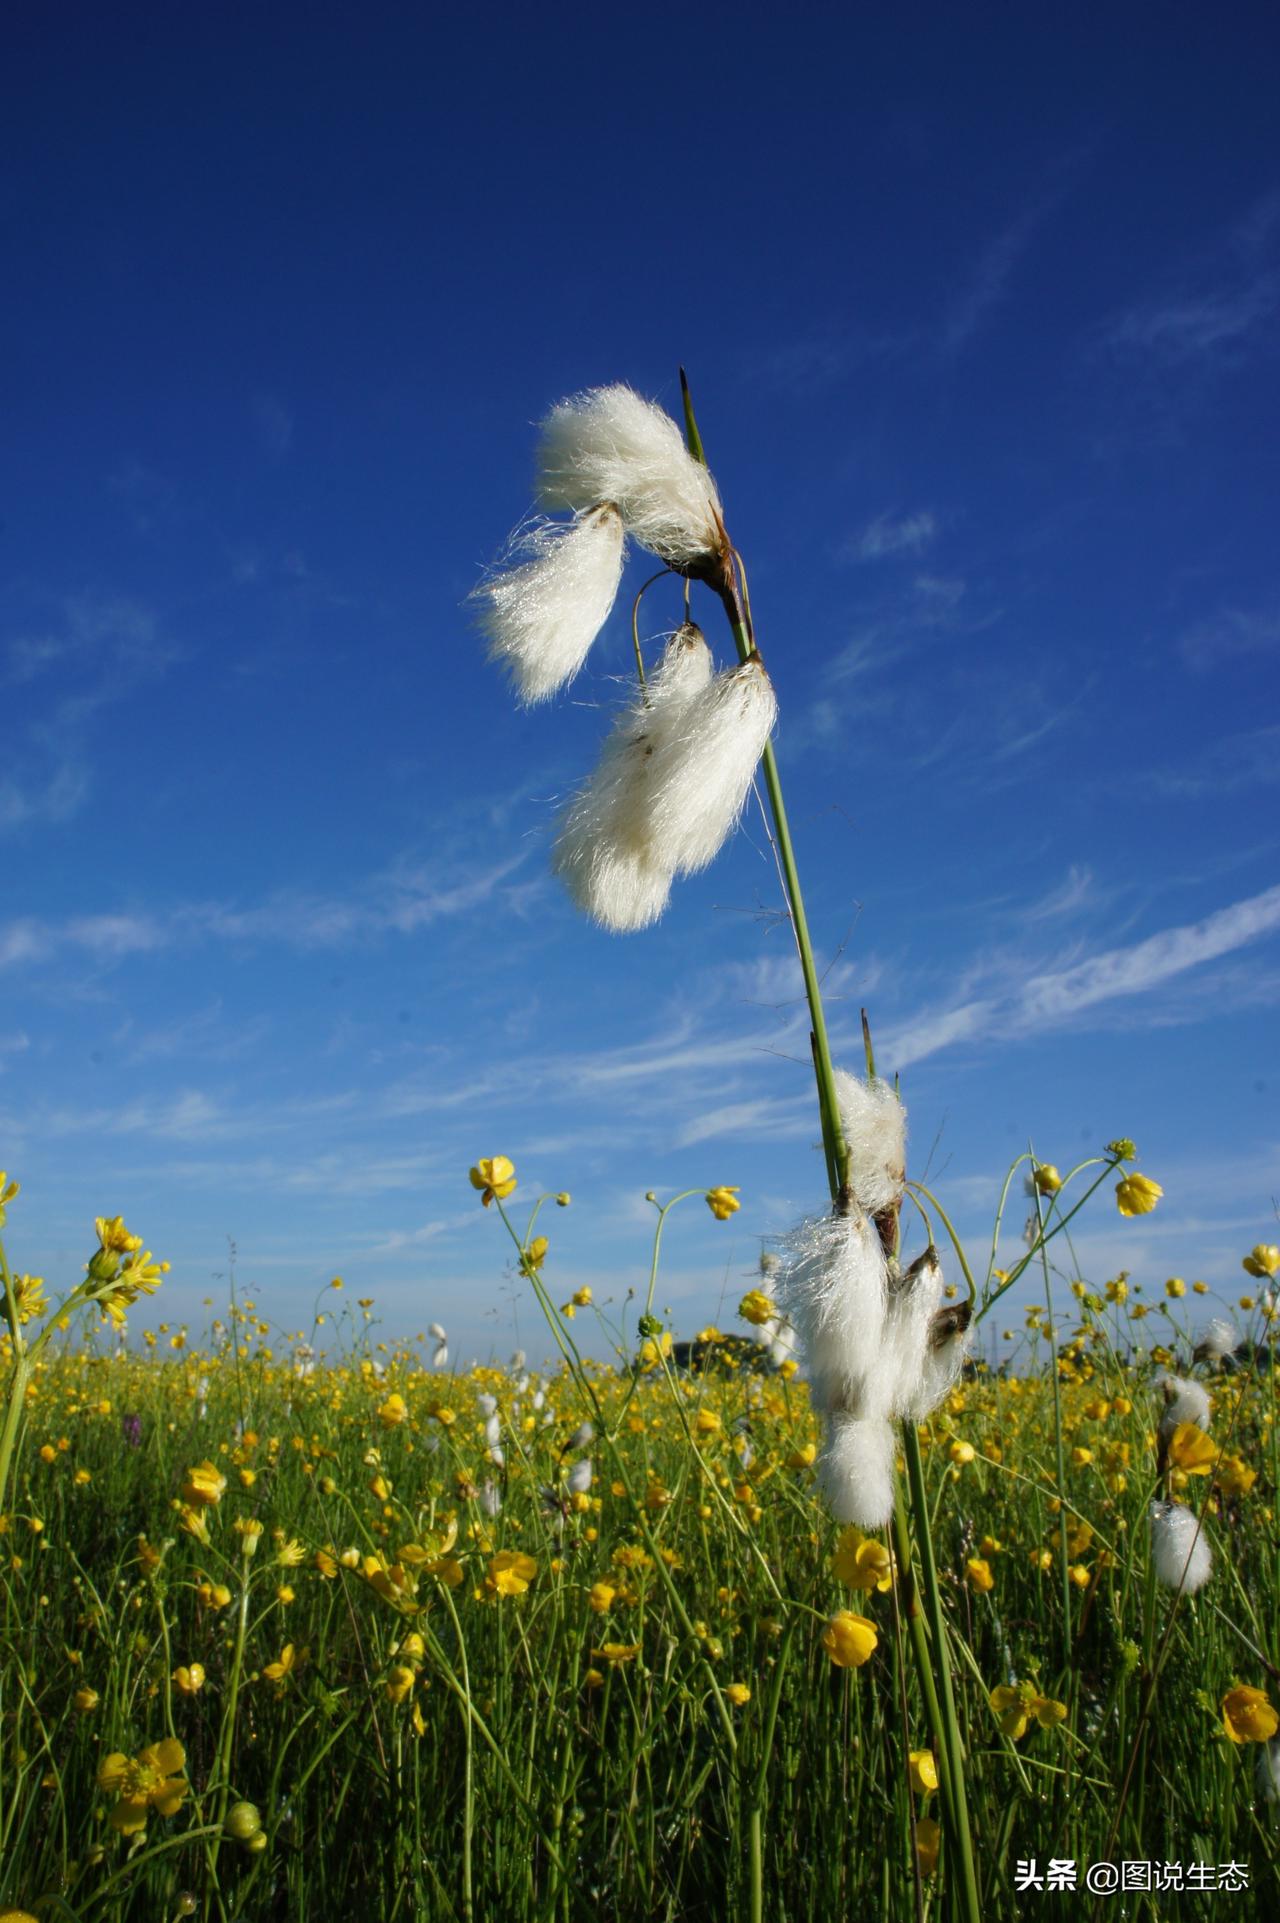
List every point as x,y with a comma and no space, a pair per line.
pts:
243,1822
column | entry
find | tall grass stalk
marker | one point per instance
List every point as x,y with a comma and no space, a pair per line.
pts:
940,1703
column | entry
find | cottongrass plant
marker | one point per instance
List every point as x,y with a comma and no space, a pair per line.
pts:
877,1352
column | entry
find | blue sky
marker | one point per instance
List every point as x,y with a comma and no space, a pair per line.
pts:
981,317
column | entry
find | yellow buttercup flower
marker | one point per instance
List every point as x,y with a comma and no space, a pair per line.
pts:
1191,1450
849,1639
737,1694
535,1254
978,1573
495,1177
615,1654
756,1308
399,1683
1018,1704
861,1562
393,1411
723,1203
1248,1715
280,1672
189,1678
510,1573
1175,1286
86,1701
928,1844
1137,1195
151,1780
1264,1259
1047,1178
582,1297
204,1486
924,1772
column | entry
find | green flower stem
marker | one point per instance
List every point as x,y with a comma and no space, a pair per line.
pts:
946,1730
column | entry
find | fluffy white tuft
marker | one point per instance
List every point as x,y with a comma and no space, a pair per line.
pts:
703,766
855,1469
610,444
1185,1401
1218,1341
604,850
1181,1555
874,1123
832,1289
542,614
914,1300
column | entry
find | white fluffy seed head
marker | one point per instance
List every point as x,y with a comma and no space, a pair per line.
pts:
610,444
855,1469
1179,1551
604,849
543,612
874,1124
916,1375
1184,1401
1218,1341
832,1288
704,764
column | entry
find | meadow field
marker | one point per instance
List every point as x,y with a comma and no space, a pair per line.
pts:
306,1624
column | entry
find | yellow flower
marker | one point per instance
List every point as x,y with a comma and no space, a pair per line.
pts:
1191,1450
1016,1706
114,1237
924,1772
1137,1195
723,1203
395,1583
1175,1286
1047,1178
495,1177
291,1555
860,1562
1234,1477
978,1572
738,1694
582,1297
928,1844
149,1781
707,1423
849,1639
280,1672
652,1350
600,1598
961,1452
616,1654
214,1595
536,1254
393,1411
399,1683
204,1487
190,1680
1263,1260
510,1573
28,1291
86,1701
755,1307
1248,1716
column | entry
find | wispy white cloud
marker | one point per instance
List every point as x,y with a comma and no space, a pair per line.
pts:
1230,632
401,901
1219,303
1052,998
888,536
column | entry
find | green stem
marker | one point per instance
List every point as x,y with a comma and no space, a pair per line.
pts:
837,1153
